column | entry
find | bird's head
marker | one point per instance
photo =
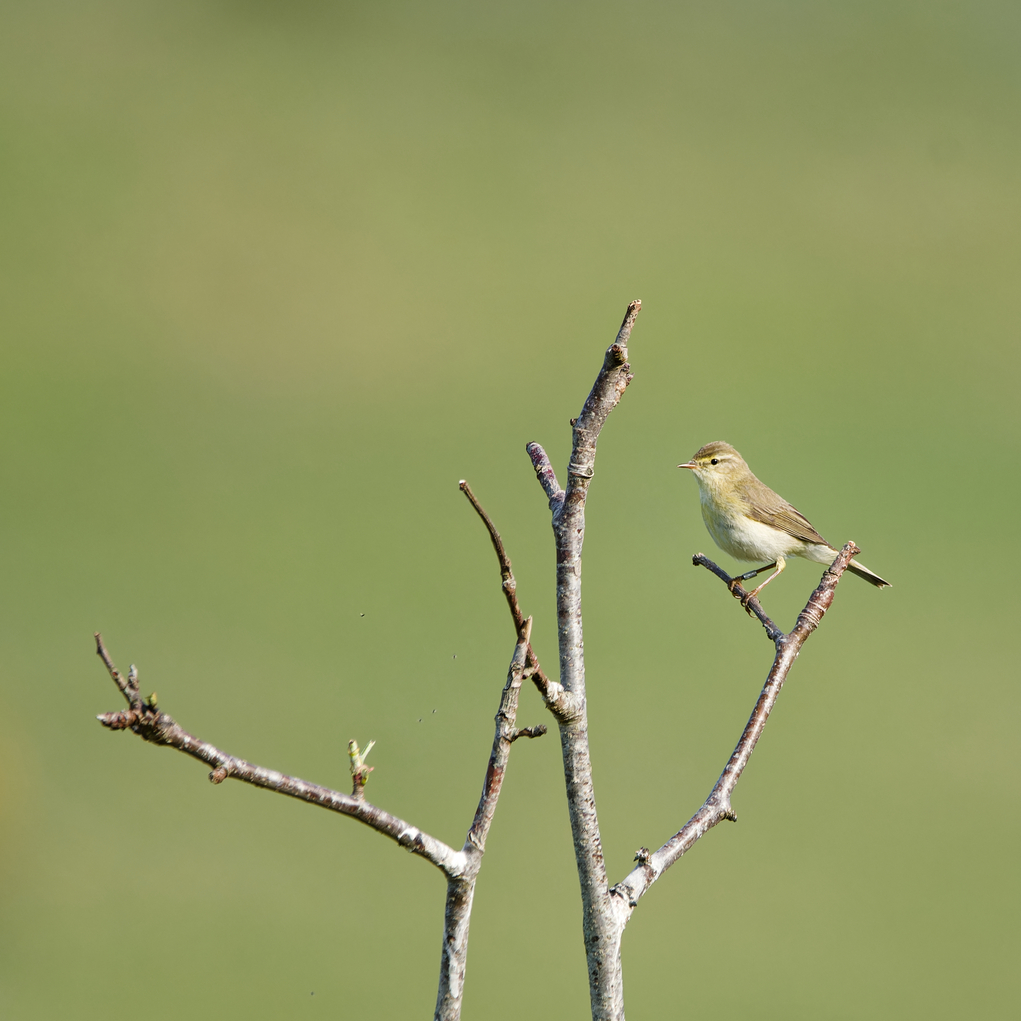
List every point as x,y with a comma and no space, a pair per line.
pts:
716,465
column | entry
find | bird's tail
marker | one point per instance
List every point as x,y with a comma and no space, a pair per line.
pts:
863,572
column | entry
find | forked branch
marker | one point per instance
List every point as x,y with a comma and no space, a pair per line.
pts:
547,688
606,910
461,868
717,806
558,701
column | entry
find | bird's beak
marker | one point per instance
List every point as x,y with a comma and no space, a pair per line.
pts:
688,464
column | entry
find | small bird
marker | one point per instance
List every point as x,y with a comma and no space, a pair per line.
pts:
750,522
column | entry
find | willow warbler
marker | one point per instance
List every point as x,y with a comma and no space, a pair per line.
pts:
750,522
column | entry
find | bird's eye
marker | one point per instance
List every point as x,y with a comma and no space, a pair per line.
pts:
715,460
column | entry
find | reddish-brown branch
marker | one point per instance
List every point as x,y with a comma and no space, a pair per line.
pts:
510,586
717,806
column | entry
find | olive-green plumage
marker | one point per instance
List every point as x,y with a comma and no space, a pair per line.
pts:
750,522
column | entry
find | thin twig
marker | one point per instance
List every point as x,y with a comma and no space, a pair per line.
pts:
717,806
510,586
751,604
546,475
537,731
157,727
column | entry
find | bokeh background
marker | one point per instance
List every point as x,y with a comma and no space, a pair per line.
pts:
275,276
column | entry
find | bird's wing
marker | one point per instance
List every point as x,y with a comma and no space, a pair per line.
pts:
788,519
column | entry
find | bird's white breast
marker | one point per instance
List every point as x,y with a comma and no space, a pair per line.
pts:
746,539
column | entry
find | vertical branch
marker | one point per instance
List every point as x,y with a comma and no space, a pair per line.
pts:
601,923
569,521
454,957
505,735
461,888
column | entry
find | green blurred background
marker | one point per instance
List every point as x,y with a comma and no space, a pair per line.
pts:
276,275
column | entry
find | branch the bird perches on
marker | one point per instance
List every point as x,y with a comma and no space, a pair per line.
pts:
606,909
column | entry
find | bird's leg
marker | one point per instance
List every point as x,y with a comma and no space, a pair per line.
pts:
779,565
748,575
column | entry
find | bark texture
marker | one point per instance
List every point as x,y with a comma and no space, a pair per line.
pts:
461,868
601,926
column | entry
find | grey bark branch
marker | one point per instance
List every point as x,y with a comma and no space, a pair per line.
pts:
461,889
601,925
151,724
546,475
717,806
606,910
461,868
506,734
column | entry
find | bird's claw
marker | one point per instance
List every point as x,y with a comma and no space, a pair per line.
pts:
735,583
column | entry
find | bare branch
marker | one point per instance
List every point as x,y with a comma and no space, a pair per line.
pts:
609,387
717,806
506,716
460,867
547,688
602,927
157,727
129,687
753,606
546,475
461,889
537,731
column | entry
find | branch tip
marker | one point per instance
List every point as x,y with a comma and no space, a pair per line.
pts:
629,321
509,586
359,770
145,720
752,606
